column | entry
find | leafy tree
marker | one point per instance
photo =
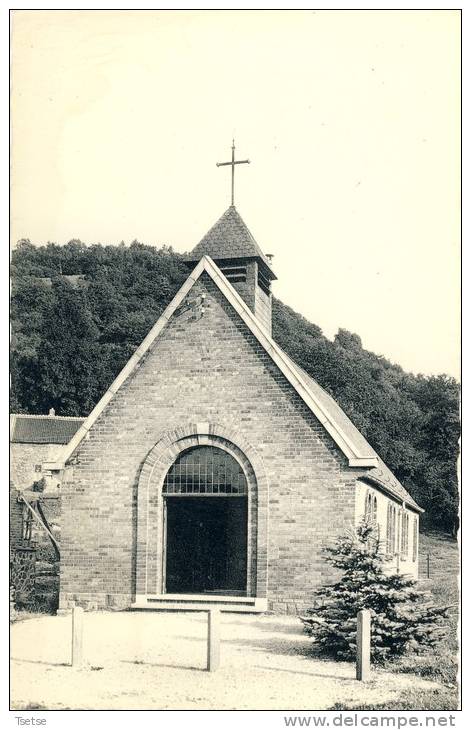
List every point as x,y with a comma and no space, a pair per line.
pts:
402,618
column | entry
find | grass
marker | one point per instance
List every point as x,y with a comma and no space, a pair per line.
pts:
439,665
440,699
25,614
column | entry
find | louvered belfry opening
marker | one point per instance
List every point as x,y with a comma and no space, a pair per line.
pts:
206,503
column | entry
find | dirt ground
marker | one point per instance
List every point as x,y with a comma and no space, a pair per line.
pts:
155,661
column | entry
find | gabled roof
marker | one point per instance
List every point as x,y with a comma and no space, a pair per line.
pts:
29,429
381,474
229,238
347,437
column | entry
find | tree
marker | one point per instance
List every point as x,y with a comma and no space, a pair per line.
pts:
403,618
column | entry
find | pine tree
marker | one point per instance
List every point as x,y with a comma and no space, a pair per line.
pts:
403,618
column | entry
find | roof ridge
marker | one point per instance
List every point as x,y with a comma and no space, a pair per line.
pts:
46,415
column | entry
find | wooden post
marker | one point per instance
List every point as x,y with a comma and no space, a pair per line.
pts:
363,644
214,617
77,636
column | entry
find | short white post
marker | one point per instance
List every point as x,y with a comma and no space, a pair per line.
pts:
363,644
214,617
77,636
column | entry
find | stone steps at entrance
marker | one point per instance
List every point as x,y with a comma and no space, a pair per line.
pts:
176,602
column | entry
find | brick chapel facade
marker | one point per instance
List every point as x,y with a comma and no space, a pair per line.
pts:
214,470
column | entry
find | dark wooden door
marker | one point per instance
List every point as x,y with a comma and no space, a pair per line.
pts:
206,545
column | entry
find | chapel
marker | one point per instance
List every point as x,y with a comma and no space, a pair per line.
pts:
214,470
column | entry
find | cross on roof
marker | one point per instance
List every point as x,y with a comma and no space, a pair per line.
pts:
233,163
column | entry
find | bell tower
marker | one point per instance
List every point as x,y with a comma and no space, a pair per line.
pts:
235,251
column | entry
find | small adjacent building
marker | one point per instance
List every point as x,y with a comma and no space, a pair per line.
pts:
35,442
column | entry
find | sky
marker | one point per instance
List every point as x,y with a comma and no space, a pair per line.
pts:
351,121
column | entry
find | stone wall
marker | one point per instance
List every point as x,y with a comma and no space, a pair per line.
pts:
27,461
207,369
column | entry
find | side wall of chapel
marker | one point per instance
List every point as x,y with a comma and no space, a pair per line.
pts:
405,560
205,368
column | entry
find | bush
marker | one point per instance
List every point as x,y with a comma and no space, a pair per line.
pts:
402,618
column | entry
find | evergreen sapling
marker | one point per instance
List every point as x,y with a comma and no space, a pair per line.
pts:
403,619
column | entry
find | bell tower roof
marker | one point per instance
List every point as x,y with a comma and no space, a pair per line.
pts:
229,238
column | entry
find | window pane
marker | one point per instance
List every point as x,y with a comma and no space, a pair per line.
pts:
205,470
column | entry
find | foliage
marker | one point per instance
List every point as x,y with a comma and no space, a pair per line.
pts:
79,312
403,619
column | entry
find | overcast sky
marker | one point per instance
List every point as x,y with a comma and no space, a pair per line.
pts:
350,120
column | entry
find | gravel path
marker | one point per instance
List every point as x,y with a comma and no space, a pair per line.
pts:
147,660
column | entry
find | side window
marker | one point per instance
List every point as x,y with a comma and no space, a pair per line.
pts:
405,535
415,540
371,513
391,530
371,507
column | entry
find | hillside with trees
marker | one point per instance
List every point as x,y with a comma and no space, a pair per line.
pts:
79,312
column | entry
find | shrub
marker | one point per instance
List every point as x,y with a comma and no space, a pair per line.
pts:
403,619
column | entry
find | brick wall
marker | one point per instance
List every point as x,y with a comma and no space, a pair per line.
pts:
207,369
25,460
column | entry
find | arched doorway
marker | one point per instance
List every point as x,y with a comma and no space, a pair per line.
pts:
205,524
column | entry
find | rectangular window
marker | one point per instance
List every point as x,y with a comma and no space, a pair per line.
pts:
392,531
405,536
415,540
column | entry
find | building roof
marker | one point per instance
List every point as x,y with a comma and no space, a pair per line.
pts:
28,429
336,412
381,474
229,238
383,477
350,441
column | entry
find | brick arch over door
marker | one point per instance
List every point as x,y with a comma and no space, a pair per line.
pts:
150,533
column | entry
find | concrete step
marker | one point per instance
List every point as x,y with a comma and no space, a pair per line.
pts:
177,602
170,606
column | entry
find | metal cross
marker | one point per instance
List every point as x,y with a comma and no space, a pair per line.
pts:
233,163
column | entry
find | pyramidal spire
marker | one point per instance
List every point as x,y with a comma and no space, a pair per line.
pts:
237,254
229,238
